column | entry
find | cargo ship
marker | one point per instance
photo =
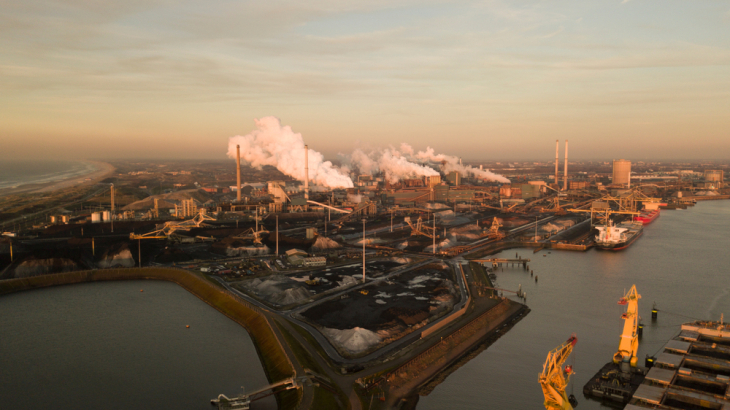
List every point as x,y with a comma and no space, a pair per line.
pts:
617,237
647,217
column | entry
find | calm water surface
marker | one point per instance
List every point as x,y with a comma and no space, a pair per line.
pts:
109,346
682,263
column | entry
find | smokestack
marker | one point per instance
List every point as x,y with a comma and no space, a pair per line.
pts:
565,180
238,172
557,158
306,172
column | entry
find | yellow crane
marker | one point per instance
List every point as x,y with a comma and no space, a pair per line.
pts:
629,344
554,378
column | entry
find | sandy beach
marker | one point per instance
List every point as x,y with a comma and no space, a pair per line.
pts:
103,170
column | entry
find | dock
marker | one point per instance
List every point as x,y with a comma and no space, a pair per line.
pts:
496,262
691,372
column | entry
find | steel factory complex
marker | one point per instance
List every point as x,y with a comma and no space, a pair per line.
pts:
372,290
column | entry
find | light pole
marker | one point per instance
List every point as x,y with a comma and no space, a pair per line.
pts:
363,250
277,235
535,228
434,234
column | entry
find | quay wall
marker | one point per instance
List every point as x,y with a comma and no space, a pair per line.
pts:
276,363
408,377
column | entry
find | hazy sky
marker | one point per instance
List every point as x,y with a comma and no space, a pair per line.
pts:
478,79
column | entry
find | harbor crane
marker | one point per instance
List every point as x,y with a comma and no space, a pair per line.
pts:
629,344
171,227
554,378
419,228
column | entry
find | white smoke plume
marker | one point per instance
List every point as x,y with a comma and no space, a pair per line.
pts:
451,163
404,163
279,146
390,162
397,167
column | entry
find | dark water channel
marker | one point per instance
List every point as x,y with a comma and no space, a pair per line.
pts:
110,346
682,263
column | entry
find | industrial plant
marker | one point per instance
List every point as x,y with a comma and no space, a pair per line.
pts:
381,265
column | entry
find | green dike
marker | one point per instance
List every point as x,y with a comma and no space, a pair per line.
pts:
273,359
323,398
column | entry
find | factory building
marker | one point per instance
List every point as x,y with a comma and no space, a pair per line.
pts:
622,172
432,181
714,177
454,178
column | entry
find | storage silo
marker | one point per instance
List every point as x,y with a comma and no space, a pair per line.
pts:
622,172
106,216
95,217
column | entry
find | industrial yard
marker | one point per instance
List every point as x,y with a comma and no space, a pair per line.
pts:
295,253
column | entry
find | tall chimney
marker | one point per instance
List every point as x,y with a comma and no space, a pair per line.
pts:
238,173
565,180
306,172
557,157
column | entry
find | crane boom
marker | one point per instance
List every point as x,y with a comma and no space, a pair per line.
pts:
629,343
554,378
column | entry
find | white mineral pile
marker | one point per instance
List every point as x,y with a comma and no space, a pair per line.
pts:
347,281
279,146
434,205
557,226
467,233
324,243
279,289
444,244
354,341
248,250
121,259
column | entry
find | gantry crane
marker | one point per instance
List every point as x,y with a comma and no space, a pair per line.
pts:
629,344
554,378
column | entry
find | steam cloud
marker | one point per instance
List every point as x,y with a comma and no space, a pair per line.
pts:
278,146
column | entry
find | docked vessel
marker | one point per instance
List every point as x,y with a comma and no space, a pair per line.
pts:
617,237
647,217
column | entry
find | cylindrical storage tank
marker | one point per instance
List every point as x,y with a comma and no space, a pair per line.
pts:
53,219
106,216
64,219
622,172
96,217
713,175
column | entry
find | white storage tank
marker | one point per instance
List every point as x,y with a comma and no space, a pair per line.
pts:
96,217
622,172
53,219
64,219
106,216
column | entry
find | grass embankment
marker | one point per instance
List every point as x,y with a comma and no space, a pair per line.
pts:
274,360
323,398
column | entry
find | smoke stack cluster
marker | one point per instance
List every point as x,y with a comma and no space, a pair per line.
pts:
238,172
276,145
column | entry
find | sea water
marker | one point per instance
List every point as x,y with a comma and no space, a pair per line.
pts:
681,262
14,173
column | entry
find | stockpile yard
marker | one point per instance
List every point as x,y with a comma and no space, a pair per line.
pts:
365,319
284,290
322,280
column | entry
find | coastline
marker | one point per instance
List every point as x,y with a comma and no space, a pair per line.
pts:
103,170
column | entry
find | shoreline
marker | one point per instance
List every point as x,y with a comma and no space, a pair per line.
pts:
103,170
